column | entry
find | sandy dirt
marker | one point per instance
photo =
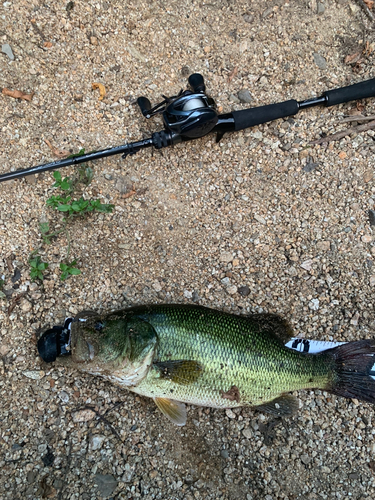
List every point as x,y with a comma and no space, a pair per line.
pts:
262,221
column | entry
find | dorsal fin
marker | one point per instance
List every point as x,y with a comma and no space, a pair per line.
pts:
173,410
273,324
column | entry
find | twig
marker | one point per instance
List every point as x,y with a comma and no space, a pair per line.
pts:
344,133
368,12
358,118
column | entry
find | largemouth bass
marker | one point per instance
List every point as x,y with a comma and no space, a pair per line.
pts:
180,354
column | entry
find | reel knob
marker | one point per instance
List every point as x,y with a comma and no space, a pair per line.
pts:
196,82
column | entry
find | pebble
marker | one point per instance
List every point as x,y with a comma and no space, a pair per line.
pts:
188,294
34,374
106,484
244,290
244,96
96,442
224,454
127,477
26,306
314,304
247,433
83,415
6,49
320,8
64,396
226,257
157,286
229,413
366,238
320,61
234,99
371,216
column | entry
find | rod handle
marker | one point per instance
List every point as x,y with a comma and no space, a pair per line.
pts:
255,116
351,93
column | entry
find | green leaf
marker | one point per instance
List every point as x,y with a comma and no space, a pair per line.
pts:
74,270
63,266
64,275
64,208
34,263
42,266
57,176
44,227
2,295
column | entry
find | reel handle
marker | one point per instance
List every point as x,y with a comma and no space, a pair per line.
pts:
145,106
196,82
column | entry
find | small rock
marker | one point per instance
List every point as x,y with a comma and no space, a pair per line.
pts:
260,219
157,286
224,453
83,415
263,81
320,8
234,99
188,294
305,459
248,18
106,484
127,477
320,61
26,306
371,216
244,290
372,280
64,396
31,476
7,50
310,167
226,257
96,442
244,96
4,349
229,413
195,297
30,179
324,246
34,374
185,71
247,433
314,304
232,289
366,238
109,177
257,135
93,40
368,176
307,265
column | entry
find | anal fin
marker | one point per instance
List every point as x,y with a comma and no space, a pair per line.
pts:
173,410
282,406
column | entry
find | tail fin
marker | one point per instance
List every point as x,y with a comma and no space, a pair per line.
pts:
354,375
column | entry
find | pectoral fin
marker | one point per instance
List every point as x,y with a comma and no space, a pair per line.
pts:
173,410
182,372
282,406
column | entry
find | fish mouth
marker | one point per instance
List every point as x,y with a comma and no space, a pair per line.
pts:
84,350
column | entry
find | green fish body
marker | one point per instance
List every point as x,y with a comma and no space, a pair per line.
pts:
191,354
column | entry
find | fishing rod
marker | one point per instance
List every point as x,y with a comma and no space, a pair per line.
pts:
192,114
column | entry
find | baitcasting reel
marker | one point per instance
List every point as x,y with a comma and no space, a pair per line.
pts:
190,114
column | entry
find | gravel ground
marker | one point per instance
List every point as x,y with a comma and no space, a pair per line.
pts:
262,221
